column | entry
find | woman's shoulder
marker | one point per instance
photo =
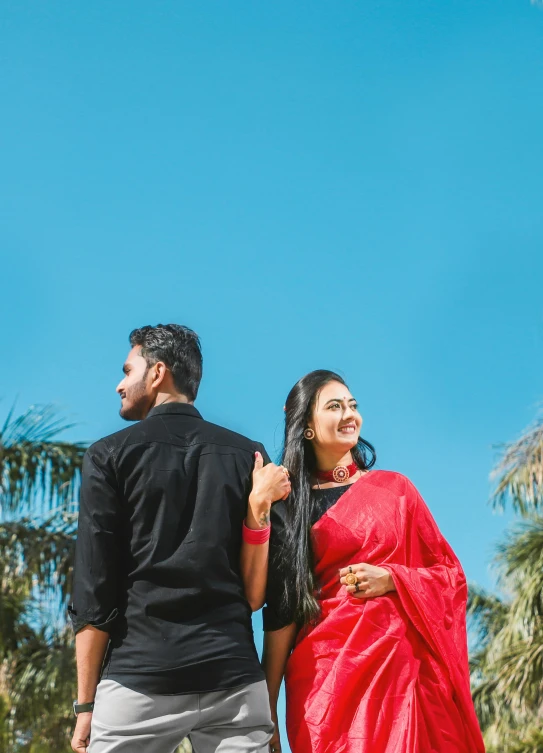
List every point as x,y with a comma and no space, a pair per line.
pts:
392,481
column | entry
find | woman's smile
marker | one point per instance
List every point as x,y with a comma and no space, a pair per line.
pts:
347,429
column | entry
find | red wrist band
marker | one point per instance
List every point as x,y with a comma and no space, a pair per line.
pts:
251,536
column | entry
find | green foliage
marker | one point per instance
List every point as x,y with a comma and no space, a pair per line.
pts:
35,469
41,553
42,687
38,480
519,474
37,671
507,666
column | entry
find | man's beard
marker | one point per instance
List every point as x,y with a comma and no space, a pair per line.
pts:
139,403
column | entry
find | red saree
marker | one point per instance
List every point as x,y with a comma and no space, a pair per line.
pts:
388,674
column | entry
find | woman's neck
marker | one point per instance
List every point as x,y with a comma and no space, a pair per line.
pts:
327,461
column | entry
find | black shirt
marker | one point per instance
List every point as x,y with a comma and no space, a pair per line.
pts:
157,555
280,609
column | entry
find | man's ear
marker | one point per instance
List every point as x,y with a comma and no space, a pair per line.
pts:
160,370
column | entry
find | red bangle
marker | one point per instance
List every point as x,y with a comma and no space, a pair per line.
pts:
251,536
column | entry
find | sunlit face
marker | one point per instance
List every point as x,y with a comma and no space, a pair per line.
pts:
335,419
134,389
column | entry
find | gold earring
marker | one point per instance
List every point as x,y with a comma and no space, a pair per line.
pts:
309,433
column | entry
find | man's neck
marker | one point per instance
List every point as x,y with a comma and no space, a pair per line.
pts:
171,397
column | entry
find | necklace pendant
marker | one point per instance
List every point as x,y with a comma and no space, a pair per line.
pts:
340,474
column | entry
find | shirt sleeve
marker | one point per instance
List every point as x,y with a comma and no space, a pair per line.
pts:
96,569
279,610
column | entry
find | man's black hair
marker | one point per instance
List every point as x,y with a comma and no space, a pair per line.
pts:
176,346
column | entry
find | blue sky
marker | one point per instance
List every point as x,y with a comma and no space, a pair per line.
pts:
348,185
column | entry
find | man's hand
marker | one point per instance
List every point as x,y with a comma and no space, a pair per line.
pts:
90,649
81,737
370,580
270,483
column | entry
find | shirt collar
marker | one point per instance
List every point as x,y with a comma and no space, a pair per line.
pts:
183,409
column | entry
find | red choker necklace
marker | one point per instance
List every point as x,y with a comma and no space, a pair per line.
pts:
339,474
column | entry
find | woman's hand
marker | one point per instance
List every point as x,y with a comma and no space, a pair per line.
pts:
275,742
270,483
371,580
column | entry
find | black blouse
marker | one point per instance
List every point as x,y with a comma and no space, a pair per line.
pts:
280,607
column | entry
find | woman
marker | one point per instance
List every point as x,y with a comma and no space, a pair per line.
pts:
368,591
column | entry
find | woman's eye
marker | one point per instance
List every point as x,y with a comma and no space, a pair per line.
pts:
334,405
354,406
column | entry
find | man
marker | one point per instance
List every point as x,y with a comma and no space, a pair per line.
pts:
164,641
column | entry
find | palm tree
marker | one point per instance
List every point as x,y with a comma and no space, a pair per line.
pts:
507,666
519,473
37,471
39,475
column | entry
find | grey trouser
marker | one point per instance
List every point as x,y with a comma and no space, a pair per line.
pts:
226,721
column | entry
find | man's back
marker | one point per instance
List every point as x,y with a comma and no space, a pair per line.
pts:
162,506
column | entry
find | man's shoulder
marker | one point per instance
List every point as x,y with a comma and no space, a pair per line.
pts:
195,432
215,434
111,442
201,432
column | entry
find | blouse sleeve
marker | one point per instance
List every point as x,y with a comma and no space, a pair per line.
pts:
279,610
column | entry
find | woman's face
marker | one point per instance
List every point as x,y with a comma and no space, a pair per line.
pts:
335,420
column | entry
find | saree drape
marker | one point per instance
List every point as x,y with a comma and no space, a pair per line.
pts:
387,674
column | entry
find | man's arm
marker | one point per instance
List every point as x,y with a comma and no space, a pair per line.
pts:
95,588
90,649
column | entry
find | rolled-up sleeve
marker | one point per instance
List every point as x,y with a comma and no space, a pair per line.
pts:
279,610
96,570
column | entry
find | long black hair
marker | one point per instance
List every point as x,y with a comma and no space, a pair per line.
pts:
299,457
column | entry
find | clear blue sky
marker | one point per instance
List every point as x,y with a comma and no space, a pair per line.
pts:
346,185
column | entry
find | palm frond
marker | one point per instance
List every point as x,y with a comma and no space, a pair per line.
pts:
529,741
516,739
487,613
485,701
41,686
520,676
521,552
507,685
507,667
518,476
520,564
36,470
14,597
40,553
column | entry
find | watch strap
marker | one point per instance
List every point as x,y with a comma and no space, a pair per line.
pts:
81,708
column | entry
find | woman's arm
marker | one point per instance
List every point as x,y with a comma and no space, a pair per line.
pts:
270,483
254,559
277,647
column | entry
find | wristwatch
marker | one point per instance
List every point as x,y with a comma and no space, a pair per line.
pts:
80,708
